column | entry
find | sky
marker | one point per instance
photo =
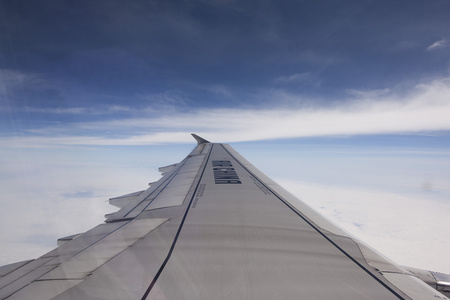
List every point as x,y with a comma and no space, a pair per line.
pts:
344,103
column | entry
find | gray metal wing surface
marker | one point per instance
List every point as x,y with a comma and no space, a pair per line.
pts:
213,227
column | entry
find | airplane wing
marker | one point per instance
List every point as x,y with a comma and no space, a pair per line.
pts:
213,227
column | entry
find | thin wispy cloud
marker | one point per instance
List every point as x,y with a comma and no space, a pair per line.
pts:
368,94
425,109
165,99
221,89
12,79
294,78
101,110
69,110
438,44
215,89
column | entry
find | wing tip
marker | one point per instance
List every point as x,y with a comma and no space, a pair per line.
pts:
199,139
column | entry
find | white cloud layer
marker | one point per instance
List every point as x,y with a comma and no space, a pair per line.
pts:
411,230
426,108
46,196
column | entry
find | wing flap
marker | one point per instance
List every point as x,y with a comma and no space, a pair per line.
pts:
23,276
166,169
58,279
413,287
122,201
44,290
82,264
5,270
63,240
170,190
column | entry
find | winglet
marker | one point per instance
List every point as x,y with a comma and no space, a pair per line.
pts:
200,140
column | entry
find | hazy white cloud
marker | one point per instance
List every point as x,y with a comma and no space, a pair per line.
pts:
61,141
416,237
438,44
46,196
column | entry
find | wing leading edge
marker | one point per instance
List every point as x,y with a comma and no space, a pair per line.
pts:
212,227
